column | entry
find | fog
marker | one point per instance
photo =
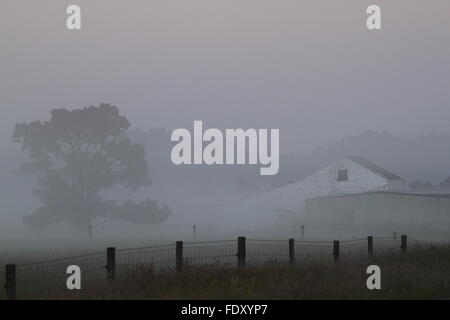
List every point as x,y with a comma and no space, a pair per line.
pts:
309,68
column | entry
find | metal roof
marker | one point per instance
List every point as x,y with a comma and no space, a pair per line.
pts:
427,195
369,165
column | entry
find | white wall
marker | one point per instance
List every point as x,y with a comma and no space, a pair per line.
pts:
262,209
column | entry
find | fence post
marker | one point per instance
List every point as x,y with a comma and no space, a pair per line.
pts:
10,283
403,245
111,263
90,233
394,235
302,228
194,232
291,251
370,245
241,252
179,256
336,251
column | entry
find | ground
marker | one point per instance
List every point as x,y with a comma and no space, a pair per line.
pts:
419,274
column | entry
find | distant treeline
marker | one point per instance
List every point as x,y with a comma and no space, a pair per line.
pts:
423,161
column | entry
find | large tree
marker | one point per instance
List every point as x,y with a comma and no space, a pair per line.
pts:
76,155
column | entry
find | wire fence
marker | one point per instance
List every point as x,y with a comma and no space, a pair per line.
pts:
161,257
49,278
210,252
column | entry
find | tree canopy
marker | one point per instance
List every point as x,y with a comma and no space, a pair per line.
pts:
77,154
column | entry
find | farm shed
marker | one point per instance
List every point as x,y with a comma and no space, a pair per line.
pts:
284,208
382,213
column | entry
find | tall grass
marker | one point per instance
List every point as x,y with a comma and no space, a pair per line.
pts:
419,274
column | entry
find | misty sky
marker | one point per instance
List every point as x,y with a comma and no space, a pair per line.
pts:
310,68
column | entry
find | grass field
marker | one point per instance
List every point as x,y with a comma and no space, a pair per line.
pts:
418,274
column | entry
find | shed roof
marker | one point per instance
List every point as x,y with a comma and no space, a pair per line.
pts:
427,195
369,165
